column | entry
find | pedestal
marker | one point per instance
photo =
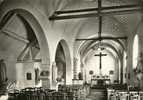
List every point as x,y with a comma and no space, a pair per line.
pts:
45,76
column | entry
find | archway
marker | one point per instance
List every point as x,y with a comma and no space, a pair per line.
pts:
109,64
35,36
114,47
60,63
35,25
63,63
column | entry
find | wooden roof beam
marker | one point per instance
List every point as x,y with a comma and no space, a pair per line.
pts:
110,13
14,36
103,38
96,9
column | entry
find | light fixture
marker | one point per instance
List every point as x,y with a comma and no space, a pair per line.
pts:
100,46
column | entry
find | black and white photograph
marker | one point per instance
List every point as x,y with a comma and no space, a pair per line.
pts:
71,49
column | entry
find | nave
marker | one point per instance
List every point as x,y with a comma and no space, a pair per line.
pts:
71,50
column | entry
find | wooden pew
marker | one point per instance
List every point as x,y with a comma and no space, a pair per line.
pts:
125,95
141,95
68,92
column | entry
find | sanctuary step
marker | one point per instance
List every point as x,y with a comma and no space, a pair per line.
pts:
97,94
80,91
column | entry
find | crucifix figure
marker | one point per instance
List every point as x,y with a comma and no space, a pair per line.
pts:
100,60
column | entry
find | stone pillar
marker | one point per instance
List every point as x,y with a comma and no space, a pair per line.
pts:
54,73
75,60
125,69
129,74
45,76
83,72
121,70
116,73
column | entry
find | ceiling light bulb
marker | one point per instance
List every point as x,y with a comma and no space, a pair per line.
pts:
99,49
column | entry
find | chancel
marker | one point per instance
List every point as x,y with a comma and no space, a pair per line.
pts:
71,50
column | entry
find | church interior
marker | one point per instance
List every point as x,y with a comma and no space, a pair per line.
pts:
71,50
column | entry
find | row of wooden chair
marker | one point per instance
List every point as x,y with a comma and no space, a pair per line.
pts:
40,94
126,95
79,91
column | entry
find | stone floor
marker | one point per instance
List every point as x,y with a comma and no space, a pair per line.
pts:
97,95
4,97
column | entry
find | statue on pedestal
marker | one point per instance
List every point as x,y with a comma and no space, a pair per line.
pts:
44,76
139,71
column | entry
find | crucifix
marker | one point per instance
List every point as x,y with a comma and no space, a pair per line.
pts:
100,61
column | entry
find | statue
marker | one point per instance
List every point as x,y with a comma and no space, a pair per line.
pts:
37,80
3,77
139,67
139,71
54,71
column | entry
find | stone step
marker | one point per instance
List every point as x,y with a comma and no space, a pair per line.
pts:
97,94
96,98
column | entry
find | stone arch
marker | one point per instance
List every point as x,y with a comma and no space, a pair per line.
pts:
35,25
38,31
85,44
116,45
67,60
136,68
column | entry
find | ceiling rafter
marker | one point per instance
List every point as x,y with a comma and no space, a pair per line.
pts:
94,12
29,45
33,60
7,19
102,38
124,9
96,9
19,38
92,45
100,12
14,36
106,38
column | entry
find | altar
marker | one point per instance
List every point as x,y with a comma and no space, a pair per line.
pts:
100,81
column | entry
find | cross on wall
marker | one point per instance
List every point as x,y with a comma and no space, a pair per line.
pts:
100,60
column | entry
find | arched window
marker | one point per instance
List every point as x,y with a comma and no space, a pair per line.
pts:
135,50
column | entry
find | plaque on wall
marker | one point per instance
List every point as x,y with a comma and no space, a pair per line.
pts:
111,72
29,76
